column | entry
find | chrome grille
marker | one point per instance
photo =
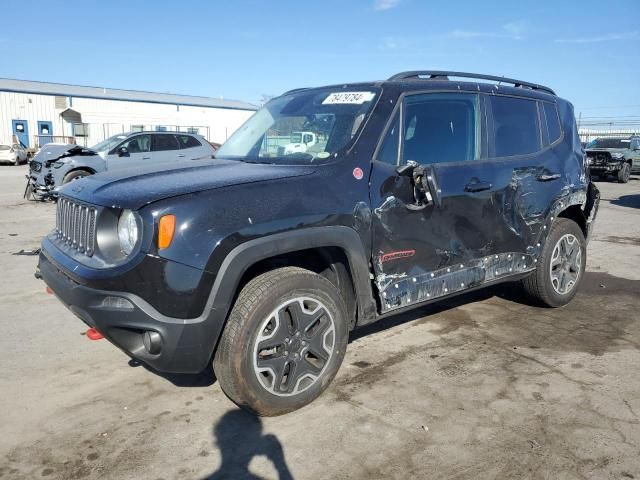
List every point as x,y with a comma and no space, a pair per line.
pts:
76,225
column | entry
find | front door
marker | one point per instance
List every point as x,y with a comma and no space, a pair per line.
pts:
21,131
451,235
133,152
45,132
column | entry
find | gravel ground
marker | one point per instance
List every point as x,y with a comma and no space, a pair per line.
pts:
480,386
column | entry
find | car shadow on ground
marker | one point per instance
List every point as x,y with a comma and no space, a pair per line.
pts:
239,438
206,378
631,201
511,291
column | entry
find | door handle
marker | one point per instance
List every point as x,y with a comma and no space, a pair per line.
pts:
146,158
474,187
546,177
181,155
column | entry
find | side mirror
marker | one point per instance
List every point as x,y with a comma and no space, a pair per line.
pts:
123,152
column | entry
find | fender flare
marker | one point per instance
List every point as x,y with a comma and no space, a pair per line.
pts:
242,257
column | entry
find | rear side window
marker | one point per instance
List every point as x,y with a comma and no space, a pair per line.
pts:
160,143
553,122
187,141
515,126
440,128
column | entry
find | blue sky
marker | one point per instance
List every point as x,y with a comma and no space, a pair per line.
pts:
588,51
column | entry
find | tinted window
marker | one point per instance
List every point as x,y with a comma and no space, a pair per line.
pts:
388,152
440,128
515,126
187,141
137,144
164,142
553,121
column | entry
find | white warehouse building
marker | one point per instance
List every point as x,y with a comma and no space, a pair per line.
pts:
35,113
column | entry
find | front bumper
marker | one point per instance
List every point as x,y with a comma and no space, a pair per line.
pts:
606,168
185,345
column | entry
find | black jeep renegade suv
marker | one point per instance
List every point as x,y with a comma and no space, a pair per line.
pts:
329,209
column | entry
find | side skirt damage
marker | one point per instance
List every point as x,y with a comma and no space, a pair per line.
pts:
398,291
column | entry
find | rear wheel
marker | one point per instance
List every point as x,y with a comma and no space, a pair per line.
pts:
283,343
624,173
75,175
560,266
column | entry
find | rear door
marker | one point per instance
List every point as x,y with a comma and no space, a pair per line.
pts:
192,148
458,238
164,148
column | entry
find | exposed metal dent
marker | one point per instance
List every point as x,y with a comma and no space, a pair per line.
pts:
400,290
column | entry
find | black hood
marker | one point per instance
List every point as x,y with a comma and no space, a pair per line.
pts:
136,187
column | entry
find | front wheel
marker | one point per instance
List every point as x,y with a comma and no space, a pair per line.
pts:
75,175
283,343
560,267
624,174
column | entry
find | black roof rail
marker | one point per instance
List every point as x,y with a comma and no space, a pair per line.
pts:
444,75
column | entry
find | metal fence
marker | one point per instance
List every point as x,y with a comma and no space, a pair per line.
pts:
592,127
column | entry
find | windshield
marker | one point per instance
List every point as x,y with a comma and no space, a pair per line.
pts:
610,143
309,126
108,144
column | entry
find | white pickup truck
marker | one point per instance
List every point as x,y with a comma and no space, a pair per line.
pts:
300,142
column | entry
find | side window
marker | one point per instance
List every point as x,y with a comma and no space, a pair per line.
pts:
441,127
187,141
515,126
553,121
161,143
137,144
388,152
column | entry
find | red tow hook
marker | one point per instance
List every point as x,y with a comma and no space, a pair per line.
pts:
48,290
93,334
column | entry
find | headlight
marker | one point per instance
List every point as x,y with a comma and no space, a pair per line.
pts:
127,231
617,155
58,164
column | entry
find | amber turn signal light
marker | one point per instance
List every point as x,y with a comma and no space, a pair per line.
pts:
166,228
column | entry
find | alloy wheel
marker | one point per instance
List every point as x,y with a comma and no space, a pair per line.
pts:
566,264
295,343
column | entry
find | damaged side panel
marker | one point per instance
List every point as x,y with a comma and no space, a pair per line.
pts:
471,237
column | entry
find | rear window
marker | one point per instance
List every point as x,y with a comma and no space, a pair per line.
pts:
187,141
5,147
515,126
552,121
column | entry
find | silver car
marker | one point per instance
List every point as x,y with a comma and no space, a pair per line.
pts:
57,164
13,154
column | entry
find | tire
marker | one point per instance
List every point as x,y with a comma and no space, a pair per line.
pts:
242,363
75,175
624,173
540,285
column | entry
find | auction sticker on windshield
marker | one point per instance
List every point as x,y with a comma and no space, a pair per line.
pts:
356,98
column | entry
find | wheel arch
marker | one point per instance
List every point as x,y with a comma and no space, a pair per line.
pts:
89,170
575,213
336,252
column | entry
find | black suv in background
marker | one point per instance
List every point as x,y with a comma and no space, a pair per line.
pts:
409,190
619,156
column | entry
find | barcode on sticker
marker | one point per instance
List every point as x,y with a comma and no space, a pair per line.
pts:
356,98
